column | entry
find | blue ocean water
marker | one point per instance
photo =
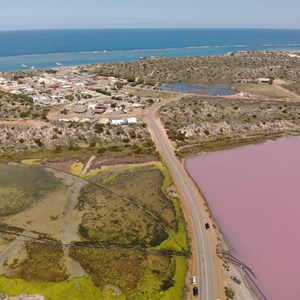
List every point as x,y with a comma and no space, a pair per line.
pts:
45,48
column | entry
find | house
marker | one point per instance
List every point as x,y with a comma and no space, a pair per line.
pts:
92,105
264,80
118,122
42,100
137,105
80,110
98,111
132,120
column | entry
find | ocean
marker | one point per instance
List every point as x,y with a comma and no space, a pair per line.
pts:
23,50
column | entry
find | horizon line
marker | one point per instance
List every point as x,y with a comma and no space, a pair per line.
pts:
147,28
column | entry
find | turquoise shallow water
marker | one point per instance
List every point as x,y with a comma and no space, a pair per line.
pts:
46,48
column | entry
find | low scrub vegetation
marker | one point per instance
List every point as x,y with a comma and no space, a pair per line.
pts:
20,107
61,136
198,124
228,68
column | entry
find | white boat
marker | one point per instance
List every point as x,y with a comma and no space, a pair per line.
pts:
58,63
23,66
32,67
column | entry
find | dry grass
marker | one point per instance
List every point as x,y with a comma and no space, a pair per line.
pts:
263,90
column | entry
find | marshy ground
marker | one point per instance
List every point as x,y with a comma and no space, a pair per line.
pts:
115,230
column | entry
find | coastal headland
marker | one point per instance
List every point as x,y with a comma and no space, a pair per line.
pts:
106,145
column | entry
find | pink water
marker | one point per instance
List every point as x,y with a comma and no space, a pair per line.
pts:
254,194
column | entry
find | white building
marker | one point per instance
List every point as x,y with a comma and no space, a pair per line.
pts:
132,120
118,122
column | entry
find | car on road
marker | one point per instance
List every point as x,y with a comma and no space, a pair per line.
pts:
236,279
207,226
195,291
194,280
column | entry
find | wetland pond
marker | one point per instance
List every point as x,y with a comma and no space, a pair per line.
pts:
201,88
253,193
21,185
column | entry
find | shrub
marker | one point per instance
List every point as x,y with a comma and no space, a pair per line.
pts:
104,92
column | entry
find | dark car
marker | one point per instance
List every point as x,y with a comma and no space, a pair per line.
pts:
195,291
236,279
207,226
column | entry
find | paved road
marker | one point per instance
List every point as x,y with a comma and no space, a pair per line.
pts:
203,250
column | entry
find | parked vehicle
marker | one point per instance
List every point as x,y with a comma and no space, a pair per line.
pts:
236,279
195,291
207,226
194,280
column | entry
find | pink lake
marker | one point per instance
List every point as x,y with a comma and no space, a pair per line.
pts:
254,195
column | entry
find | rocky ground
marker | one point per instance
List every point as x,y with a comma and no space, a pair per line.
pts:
21,297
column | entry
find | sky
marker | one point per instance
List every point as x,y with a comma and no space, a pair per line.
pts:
55,14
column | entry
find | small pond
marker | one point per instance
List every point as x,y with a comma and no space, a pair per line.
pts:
201,88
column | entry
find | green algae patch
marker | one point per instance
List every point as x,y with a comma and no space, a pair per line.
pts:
76,169
149,287
109,178
92,173
169,287
75,289
176,291
178,240
31,162
108,295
